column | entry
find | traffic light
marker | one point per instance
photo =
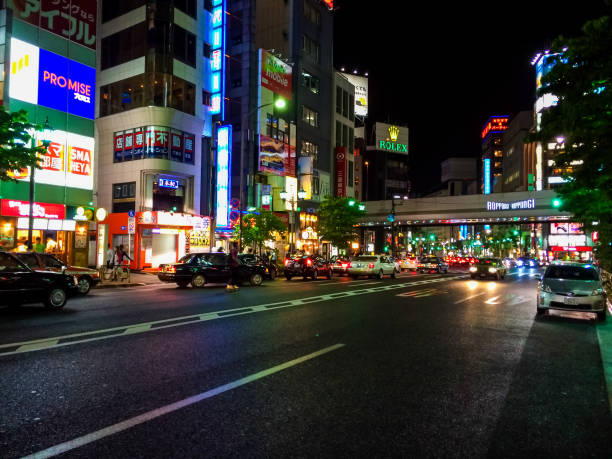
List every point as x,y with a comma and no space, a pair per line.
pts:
432,237
556,203
386,248
515,232
362,207
351,202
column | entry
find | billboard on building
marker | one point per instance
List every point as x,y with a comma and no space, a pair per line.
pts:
276,157
44,78
275,74
361,93
494,124
74,20
68,161
393,138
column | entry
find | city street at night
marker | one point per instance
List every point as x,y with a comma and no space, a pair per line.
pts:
422,365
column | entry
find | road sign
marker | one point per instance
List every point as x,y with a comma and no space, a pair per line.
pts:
131,213
131,225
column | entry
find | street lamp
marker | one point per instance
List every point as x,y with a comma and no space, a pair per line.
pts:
46,141
287,197
280,104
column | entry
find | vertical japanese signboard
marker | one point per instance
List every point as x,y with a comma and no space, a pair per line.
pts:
217,60
340,182
224,159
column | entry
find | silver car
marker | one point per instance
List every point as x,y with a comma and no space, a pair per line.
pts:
572,286
372,265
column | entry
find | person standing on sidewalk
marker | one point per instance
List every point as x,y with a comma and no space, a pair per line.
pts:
233,265
110,256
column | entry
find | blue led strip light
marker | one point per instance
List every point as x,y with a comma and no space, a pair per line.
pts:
487,176
224,179
217,61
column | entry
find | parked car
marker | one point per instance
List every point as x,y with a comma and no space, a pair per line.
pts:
340,265
572,286
372,265
86,277
488,267
199,269
307,266
430,264
409,262
269,266
21,284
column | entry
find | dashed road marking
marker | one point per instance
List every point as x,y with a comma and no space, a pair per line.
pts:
158,412
144,327
470,297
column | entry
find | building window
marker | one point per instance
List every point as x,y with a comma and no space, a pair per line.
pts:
187,6
312,13
311,82
311,48
206,98
310,116
338,134
345,104
184,46
338,100
309,149
277,128
345,136
351,107
351,140
123,46
111,10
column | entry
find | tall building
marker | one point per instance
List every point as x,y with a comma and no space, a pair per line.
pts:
386,171
343,131
282,155
458,177
49,58
492,153
158,89
519,158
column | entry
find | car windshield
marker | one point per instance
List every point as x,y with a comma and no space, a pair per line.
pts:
365,259
430,260
571,273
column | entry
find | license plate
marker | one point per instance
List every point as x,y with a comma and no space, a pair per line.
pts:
569,300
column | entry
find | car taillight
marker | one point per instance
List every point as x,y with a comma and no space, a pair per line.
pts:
349,265
161,268
309,262
371,265
286,262
171,269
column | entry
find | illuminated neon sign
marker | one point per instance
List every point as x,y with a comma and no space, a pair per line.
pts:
494,124
168,183
44,78
217,61
487,176
224,159
516,205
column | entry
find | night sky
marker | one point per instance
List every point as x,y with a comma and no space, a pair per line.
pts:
443,68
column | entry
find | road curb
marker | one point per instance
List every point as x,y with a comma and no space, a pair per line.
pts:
604,335
129,284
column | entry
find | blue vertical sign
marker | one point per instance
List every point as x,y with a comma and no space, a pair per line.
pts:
217,60
487,176
224,159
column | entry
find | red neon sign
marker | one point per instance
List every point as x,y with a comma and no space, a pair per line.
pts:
15,208
329,3
495,124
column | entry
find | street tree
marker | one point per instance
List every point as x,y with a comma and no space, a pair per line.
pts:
582,122
258,227
16,143
337,220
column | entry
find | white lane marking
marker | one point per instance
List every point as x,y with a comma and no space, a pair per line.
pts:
364,283
470,297
153,414
143,327
492,300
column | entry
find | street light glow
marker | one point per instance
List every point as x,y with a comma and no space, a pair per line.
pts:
280,103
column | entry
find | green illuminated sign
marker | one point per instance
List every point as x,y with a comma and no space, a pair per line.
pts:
392,146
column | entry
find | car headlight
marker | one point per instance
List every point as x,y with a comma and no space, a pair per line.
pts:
473,269
597,292
546,288
492,269
519,263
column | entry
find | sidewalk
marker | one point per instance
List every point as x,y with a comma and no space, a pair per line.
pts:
137,278
604,335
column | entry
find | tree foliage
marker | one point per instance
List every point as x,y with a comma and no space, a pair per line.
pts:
16,152
582,80
258,227
337,220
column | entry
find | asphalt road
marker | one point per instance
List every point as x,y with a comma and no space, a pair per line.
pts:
423,365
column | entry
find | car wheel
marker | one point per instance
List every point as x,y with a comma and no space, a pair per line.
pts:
56,298
287,277
256,279
601,316
198,281
84,285
380,274
182,284
272,274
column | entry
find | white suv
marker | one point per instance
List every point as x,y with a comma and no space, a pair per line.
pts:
372,265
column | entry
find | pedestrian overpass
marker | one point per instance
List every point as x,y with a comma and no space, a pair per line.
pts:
497,208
